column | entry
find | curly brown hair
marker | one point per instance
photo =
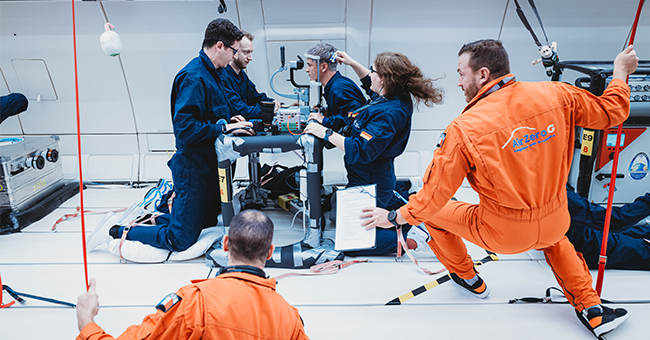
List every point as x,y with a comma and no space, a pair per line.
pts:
400,76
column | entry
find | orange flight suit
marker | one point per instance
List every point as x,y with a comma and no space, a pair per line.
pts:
515,145
231,306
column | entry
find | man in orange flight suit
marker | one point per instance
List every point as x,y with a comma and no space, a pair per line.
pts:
240,303
514,143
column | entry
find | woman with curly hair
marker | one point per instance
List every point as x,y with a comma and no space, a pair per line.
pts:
381,128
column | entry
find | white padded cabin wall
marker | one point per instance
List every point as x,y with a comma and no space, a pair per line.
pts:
32,31
160,37
11,125
118,143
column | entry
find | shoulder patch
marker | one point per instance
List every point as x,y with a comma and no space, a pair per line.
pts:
441,140
366,135
168,302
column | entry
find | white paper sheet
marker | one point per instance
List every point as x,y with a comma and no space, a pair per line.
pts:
350,234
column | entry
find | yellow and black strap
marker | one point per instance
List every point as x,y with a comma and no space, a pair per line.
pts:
417,291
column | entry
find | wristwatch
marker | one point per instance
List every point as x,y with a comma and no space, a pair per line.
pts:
328,133
392,218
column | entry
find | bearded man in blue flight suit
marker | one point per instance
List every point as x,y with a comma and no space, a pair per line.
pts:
342,95
200,113
243,97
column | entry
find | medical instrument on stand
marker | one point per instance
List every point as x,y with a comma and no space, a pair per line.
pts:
294,119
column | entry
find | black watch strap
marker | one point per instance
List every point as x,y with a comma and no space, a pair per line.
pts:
392,218
328,133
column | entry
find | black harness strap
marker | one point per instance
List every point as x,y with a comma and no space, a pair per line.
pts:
17,296
524,21
549,299
532,4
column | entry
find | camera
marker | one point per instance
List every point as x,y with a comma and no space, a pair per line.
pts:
260,126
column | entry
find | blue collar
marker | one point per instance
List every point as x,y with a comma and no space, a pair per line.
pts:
499,85
331,81
206,61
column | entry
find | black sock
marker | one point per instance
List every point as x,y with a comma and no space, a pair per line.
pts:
114,232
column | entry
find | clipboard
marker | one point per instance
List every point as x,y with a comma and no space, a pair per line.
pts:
350,234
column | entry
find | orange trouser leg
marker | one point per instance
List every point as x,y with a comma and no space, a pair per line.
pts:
448,228
572,274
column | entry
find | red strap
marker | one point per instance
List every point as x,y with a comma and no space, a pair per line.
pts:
128,227
124,232
612,181
330,267
2,305
71,216
263,177
401,243
170,201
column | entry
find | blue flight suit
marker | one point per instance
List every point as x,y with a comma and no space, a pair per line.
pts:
626,244
379,133
342,96
12,104
200,111
243,97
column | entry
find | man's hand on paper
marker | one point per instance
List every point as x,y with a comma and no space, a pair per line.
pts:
375,217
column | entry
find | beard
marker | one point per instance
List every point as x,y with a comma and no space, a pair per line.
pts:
471,91
240,64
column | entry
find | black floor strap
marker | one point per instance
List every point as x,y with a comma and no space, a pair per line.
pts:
549,299
17,296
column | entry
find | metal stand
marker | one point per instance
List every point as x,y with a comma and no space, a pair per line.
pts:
229,148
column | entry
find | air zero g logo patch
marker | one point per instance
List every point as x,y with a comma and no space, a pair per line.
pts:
530,138
639,166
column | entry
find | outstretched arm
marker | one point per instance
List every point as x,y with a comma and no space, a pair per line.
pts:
345,59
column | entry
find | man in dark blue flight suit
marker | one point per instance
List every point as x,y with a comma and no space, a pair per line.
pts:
627,244
200,114
12,104
243,97
341,94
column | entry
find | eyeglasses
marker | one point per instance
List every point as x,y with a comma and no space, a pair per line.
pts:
234,50
372,70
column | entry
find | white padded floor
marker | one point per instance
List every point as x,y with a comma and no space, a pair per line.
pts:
347,305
